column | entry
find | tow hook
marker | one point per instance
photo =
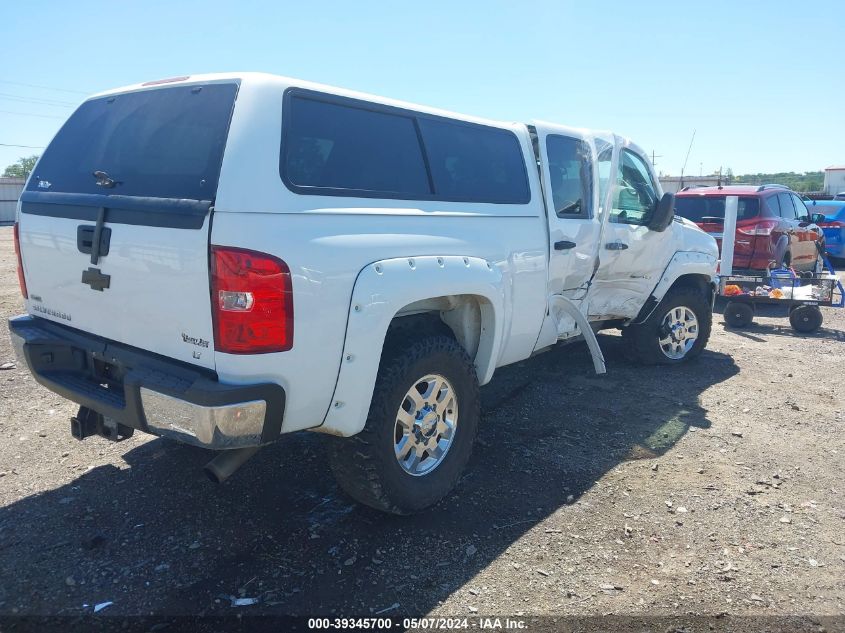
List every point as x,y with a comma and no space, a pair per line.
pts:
88,422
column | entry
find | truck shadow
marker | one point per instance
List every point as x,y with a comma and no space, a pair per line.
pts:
158,538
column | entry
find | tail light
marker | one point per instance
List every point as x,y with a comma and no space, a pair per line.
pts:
758,228
252,302
21,279
835,224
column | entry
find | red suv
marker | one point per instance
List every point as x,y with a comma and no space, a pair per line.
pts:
773,226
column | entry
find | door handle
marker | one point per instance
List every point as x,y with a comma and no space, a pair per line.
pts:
616,246
564,245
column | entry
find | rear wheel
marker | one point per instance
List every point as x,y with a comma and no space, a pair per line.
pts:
806,319
738,314
676,331
420,429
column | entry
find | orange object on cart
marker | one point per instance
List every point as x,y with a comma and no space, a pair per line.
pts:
732,290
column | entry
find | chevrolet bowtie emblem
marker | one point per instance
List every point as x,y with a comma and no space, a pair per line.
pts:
94,278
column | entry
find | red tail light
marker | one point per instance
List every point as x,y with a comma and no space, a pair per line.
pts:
835,224
21,279
758,228
252,302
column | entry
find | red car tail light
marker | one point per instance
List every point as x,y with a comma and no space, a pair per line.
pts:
252,302
835,224
764,228
21,279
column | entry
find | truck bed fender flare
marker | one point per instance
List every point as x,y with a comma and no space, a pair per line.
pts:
381,290
562,303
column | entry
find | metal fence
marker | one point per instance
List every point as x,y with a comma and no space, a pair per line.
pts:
10,191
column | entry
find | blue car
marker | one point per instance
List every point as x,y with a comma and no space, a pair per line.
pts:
833,226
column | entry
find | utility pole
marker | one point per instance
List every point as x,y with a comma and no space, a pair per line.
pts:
653,157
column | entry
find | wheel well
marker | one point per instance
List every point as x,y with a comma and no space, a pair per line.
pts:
698,282
463,317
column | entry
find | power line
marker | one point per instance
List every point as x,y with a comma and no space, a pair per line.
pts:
42,116
18,83
50,102
26,146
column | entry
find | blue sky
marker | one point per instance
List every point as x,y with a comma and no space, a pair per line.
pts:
761,82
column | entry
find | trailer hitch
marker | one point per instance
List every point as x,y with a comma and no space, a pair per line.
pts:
88,422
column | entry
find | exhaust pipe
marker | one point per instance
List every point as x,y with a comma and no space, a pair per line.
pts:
226,463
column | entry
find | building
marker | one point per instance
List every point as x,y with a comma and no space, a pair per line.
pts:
673,184
834,179
10,191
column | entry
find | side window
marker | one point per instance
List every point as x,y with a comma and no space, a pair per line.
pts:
774,207
339,147
474,162
786,209
570,176
800,208
635,197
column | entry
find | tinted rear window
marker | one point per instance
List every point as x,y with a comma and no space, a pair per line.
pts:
351,148
470,162
712,208
161,143
336,147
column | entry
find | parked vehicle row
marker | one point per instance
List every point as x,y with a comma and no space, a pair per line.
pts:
221,259
774,228
833,225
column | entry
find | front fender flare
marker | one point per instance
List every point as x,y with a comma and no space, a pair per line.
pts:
682,263
381,290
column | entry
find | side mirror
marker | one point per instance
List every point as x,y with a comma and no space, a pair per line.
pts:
817,218
663,213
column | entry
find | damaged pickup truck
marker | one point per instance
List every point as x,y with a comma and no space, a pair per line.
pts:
221,259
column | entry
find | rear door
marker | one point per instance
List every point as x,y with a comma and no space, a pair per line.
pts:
114,222
567,160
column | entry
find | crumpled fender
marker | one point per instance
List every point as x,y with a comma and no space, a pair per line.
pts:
682,263
381,290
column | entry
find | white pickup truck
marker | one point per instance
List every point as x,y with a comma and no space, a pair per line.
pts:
221,259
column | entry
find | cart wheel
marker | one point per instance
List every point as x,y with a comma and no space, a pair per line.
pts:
738,314
806,319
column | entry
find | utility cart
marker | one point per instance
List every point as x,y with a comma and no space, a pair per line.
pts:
801,295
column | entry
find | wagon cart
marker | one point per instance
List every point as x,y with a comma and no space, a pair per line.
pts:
801,296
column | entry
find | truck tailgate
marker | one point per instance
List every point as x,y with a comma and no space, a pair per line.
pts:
157,295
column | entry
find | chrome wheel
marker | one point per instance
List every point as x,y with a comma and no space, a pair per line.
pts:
678,332
425,425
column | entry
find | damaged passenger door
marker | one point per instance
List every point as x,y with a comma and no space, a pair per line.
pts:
631,256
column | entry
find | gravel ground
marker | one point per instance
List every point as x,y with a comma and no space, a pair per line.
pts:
710,488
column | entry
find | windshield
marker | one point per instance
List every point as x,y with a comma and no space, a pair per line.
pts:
160,143
704,209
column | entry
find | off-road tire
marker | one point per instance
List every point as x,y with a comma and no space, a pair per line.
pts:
641,340
738,315
365,465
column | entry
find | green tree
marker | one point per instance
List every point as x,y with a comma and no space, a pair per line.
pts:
22,168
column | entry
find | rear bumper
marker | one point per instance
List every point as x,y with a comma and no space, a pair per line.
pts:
145,391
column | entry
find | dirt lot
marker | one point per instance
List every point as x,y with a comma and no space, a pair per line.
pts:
711,488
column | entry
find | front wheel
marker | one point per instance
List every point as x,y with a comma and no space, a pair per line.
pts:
420,429
676,331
